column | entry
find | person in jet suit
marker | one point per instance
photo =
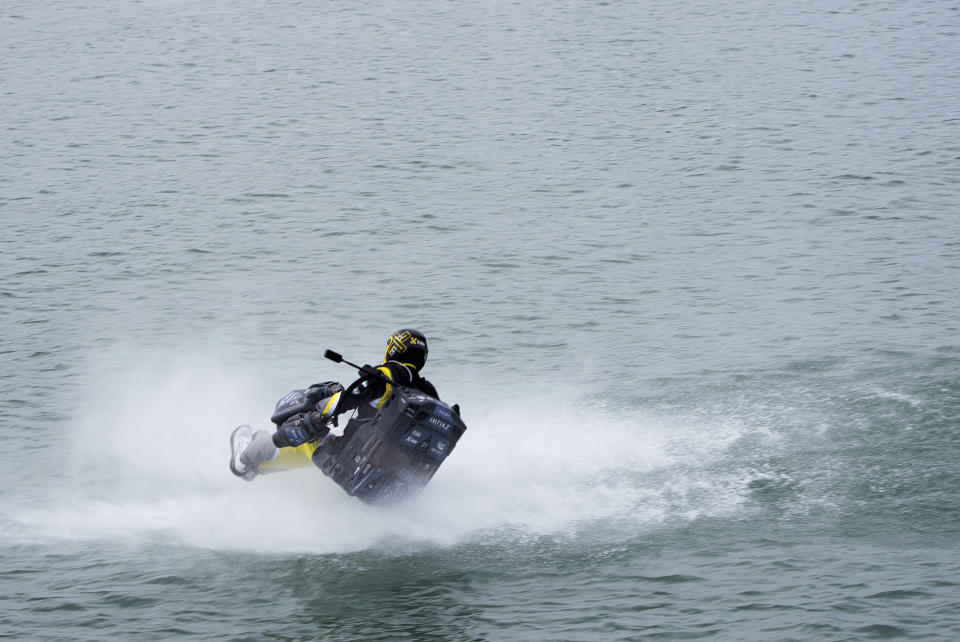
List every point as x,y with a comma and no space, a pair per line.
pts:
299,435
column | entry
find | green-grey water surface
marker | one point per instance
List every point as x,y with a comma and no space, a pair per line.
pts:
690,269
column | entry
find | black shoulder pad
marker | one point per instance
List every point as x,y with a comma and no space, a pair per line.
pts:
428,388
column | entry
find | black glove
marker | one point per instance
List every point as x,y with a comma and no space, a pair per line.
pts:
300,429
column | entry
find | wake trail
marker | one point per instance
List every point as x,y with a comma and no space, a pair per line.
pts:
149,461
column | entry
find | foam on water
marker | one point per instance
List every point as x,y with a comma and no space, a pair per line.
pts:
150,461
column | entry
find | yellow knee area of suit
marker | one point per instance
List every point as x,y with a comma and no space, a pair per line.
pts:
287,458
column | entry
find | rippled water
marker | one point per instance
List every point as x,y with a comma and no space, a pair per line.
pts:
689,269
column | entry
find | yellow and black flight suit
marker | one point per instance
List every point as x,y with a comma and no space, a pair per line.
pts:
367,395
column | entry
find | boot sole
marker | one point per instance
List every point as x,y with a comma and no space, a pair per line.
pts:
234,454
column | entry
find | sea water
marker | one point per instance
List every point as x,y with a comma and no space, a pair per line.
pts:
690,270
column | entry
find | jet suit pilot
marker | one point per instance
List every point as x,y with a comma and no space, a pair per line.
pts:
303,417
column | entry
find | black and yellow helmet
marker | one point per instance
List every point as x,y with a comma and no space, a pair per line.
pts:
407,346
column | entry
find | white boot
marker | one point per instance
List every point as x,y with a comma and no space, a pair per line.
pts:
239,441
248,450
